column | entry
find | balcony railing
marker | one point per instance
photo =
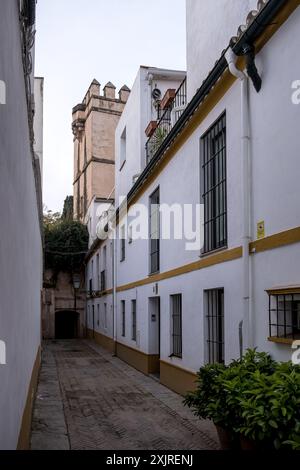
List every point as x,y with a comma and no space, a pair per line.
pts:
168,119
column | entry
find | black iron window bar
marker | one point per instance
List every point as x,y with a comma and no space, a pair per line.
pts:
215,325
213,185
176,325
284,316
133,320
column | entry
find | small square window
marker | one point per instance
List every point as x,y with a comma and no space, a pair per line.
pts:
284,315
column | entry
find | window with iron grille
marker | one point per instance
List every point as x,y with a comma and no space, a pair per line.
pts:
213,185
123,317
93,310
133,314
103,281
176,315
214,305
154,229
122,258
98,271
105,315
284,316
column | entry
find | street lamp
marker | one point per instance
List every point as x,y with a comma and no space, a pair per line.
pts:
76,281
76,285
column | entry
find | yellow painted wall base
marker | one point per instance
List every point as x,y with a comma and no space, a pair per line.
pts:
146,363
176,378
173,377
104,341
24,435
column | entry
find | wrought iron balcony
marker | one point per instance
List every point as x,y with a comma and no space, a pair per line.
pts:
168,119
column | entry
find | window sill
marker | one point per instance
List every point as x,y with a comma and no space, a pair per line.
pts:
172,356
154,273
213,252
275,339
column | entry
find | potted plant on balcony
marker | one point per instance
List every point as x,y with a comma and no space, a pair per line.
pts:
159,136
150,129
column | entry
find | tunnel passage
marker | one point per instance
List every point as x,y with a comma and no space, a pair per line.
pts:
66,324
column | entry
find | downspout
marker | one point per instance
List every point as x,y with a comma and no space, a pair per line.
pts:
246,188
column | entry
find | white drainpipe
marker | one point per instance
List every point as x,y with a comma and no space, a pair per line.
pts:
246,183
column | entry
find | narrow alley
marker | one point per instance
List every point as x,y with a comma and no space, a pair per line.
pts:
87,399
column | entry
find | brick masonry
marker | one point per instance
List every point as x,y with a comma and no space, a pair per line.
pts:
88,399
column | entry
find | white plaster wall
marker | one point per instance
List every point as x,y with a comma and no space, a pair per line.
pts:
275,157
275,132
141,319
137,114
179,182
279,267
191,286
210,26
92,270
38,118
275,150
20,241
100,327
173,254
94,212
130,120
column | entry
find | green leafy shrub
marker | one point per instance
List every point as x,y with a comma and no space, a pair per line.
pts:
65,246
203,399
253,396
270,407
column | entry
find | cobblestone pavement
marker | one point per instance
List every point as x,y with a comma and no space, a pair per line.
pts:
87,399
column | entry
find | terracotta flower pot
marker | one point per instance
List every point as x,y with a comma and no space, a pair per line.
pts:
227,438
248,444
150,129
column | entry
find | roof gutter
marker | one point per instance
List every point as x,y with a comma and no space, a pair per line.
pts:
259,24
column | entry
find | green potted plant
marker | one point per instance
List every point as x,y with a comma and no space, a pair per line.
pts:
220,390
207,402
269,408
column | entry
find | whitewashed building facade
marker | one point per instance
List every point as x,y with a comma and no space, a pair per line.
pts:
232,148
21,254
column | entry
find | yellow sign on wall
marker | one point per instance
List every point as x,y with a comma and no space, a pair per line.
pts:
260,233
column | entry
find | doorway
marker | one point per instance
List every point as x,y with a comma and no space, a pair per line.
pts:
154,335
66,324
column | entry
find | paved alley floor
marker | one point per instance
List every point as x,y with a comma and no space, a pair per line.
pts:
87,399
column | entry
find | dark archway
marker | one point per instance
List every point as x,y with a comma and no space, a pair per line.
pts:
66,324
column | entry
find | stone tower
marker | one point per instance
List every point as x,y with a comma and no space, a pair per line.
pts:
94,124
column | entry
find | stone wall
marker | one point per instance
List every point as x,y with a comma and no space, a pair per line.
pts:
59,296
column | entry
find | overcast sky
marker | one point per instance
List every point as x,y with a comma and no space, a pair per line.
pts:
108,40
